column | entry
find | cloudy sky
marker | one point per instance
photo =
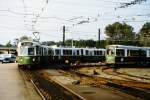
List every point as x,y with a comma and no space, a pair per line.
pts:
82,18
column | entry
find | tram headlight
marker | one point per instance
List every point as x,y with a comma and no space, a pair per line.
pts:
33,59
122,59
21,60
66,61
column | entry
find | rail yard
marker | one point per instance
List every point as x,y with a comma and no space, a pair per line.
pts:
77,83
75,50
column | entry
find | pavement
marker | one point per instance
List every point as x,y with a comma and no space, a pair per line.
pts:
13,86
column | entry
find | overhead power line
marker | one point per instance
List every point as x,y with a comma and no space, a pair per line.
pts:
14,12
134,2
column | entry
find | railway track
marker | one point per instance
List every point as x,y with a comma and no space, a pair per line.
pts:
49,89
126,76
140,77
27,76
55,90
134,88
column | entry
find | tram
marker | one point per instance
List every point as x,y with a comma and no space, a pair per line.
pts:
127,55
33,53
28,53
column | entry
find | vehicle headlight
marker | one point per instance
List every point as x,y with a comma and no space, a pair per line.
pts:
33,59
66,61
21,60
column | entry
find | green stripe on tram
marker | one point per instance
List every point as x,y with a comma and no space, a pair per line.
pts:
26,60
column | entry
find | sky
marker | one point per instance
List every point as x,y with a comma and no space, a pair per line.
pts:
82,18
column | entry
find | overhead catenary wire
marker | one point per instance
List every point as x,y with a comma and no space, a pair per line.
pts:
75,19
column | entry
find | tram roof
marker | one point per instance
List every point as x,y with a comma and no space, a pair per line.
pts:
145,48
73,48
28,41
124,46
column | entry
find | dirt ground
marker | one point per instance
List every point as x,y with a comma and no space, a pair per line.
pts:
142,72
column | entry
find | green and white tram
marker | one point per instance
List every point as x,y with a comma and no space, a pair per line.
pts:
33,53
28,53
127,55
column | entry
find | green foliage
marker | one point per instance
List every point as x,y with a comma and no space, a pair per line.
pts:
76,43
49,43
144,34
118,31
25,38
81,43
135,42
8,44
91,43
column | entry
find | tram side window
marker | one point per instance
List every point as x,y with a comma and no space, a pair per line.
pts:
120,52
133,52
31,51
143,53
86,52
50,52
97,52
38,51
77,52
41,51
57,52
67,52
91,52
45,51
74,52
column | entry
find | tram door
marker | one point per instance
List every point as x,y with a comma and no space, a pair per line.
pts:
110,55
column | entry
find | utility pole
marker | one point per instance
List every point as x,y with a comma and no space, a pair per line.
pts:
99,37
72,42
63,35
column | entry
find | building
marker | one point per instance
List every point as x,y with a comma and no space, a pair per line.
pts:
8,50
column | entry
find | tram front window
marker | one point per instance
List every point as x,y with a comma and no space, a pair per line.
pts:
23,51
110,52
30,51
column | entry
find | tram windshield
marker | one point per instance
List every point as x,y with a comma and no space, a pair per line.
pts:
110,51
30,51
23,51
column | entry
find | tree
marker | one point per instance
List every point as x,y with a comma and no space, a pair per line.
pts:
90,43
48,43
16,41
25,38
118,31
8,44
144,34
